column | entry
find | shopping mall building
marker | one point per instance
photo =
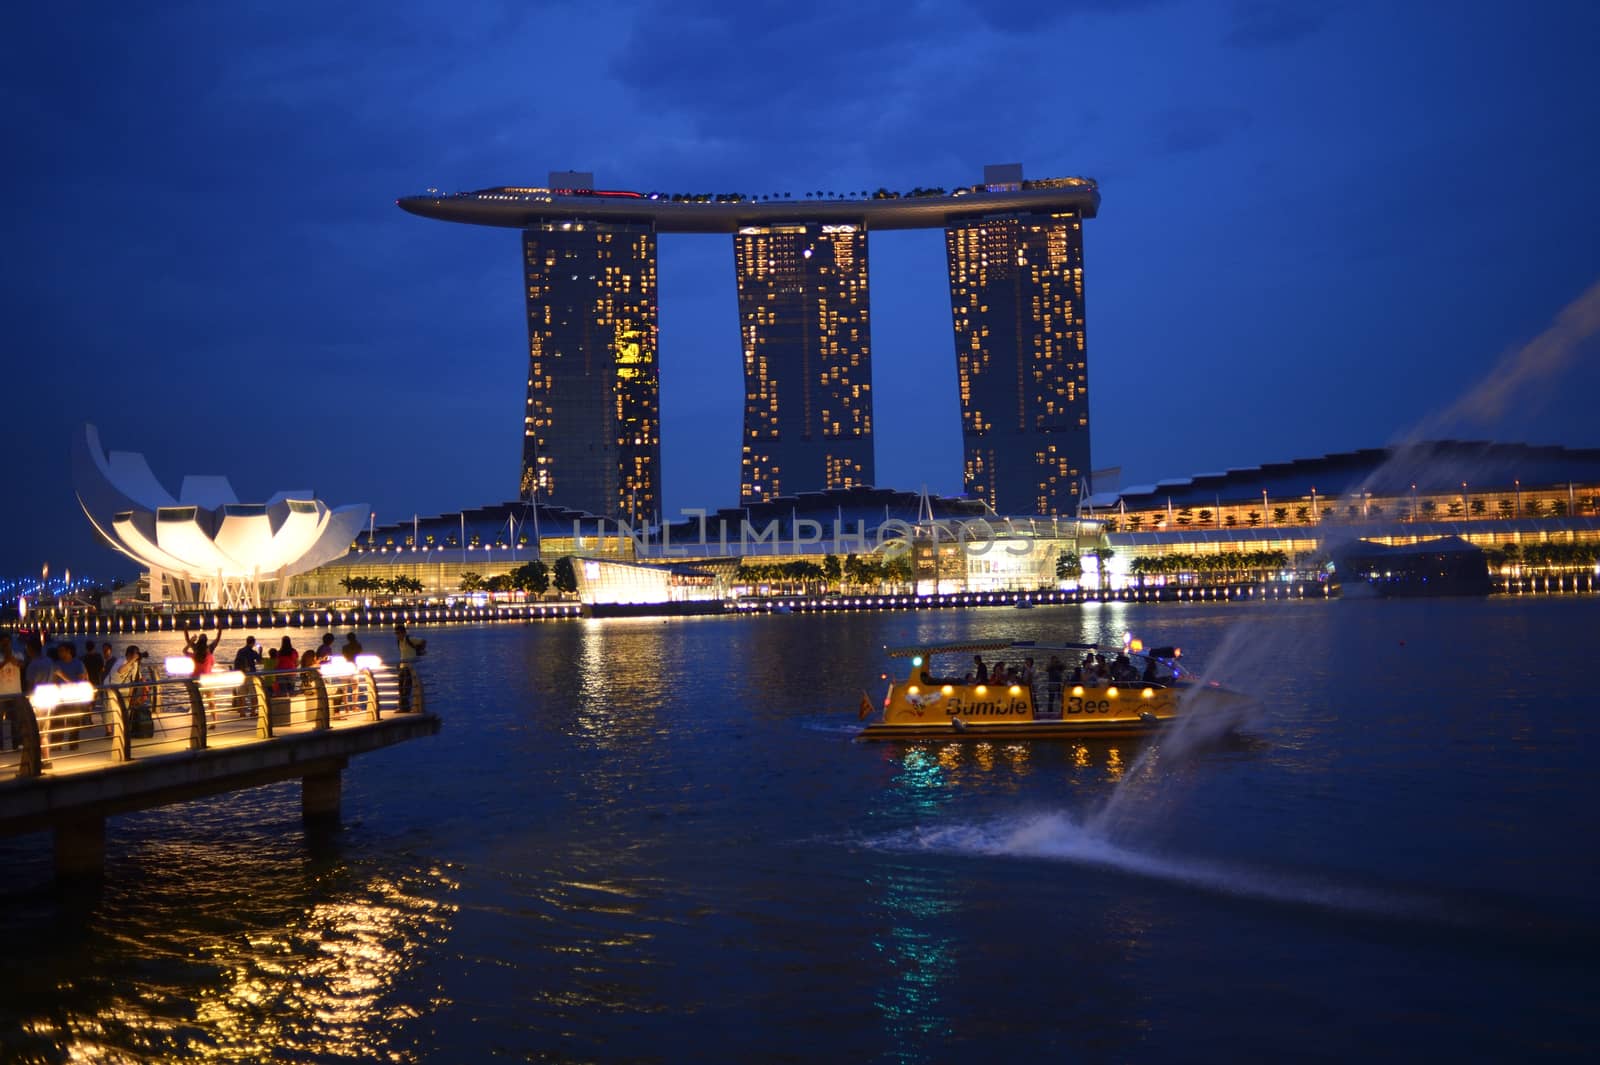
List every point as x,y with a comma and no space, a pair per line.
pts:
1543,503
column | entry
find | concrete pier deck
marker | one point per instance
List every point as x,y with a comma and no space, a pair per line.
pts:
82,763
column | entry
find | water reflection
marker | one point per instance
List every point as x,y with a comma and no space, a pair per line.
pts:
220,956
324,987
921,958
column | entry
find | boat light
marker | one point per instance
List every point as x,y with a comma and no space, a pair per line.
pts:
1148,693
1016,690
916,660
912,690
947,689
1137,646
180,666
1111,693
1077,689
230,679
369,662
982,689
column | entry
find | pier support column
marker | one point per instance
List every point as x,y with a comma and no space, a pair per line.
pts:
81,848
320,792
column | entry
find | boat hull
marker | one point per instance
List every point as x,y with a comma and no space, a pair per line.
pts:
1014,730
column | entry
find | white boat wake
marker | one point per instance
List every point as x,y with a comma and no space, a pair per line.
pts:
1056,837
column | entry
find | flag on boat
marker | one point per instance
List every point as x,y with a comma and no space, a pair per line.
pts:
866,707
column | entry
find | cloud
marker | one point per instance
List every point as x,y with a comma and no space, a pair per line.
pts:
1027,18
1270,23
1185,130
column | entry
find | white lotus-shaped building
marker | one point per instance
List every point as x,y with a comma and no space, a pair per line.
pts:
204,547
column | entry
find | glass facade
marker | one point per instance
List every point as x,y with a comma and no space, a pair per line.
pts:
806,335
1016,302
592,428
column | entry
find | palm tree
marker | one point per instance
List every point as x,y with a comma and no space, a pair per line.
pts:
1069,567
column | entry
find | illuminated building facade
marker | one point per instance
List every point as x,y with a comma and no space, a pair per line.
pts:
592,433
806,334
1016,301
592,424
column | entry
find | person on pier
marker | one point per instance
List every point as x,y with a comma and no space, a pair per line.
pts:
410,651
247,660
285,662
39,668
132,675
10,694
69,670
95,668
203,653
201,650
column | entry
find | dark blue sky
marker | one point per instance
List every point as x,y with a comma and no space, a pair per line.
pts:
1321,223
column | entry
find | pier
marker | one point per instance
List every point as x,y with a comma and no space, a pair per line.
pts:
88,754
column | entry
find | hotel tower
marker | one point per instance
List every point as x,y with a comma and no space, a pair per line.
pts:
1016,301
592,428
807,340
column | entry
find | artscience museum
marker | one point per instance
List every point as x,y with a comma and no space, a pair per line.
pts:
203,547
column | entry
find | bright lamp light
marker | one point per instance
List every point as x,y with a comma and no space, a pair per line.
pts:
179,666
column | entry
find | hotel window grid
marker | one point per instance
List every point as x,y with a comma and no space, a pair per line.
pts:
1016,303
592,431
806,334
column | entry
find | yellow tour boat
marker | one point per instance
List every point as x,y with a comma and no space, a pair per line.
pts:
1041,691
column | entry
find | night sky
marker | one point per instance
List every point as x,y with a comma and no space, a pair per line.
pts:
1321,225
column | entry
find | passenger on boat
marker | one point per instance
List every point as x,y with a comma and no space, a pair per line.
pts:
980,670
1054,671
1122,671
1151,673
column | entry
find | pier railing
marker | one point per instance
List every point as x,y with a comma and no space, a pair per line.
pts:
67,728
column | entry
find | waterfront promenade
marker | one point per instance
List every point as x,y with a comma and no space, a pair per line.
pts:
86,755
359,618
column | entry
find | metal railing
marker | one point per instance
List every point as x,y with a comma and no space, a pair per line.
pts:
65,728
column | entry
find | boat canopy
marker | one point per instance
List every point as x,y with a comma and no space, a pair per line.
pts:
974,646
989,645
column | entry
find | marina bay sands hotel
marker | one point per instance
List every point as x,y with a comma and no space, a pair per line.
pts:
592,432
